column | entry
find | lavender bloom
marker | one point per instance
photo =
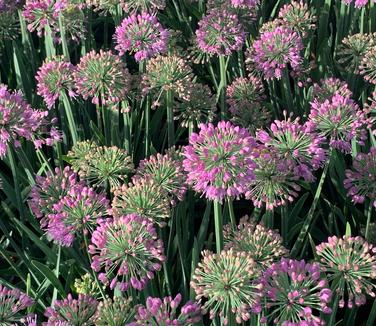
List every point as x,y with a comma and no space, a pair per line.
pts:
116,312
360,181
165,312
291,291
103,77
54,77
19,120
219,161
12,302
264,245
357,3
226,282
71,311
350,263
129,6
127,252
245,3
77,212
297,142
340,119
141,35
276,51
329,87
368,66
220,33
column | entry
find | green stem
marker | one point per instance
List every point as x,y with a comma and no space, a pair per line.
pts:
372,315
287,93
218,224
63,38
231,212
284,223
307,223
222,85
333,314
57,272
170,119
369,215
70,117
127,129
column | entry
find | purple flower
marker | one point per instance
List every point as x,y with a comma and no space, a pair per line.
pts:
126,251
329,87
350,263
220,33
71,311
297,142
115,312
219,161
357,3
75,214
276,51
360,181
19,120
339,119
103,77
165,312
12,302
142,35
54,77
291,291
245,3
368,65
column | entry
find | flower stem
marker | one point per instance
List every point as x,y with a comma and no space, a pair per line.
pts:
57,272
218,224
70,117
170,119
333,314
369,215
222,85
231,212
287,90
308,221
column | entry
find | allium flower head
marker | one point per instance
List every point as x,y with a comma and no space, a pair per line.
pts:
48,190
357,3
264,245
12,302
292,291
219,161
245,97
353,49
225,283
167,73
71,311
54,77
103,77
297,142
245,3
77,212
86,285
100,166
350,263
340,119
126,252
368,65
9,26
276,51
220,33
329,87
145,197
130,6
19,120
298,16
360,181
199,107
165,312
141,35
114,312
166,171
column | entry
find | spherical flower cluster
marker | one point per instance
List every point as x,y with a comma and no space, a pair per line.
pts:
126,252
71,311
48,190
197,108
167,73
10,5
350,263
368,65
219,161
19,120
245,3
115,312
329,87
353,49
166,171
292,290
9,22
340,119
298,142
220,33
87,285
141,35
276,51
165,312
103,77
54,77
12,302
226,282
360,181
276,180
77,212
100,166
357,3
129,6
264,245
298,16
